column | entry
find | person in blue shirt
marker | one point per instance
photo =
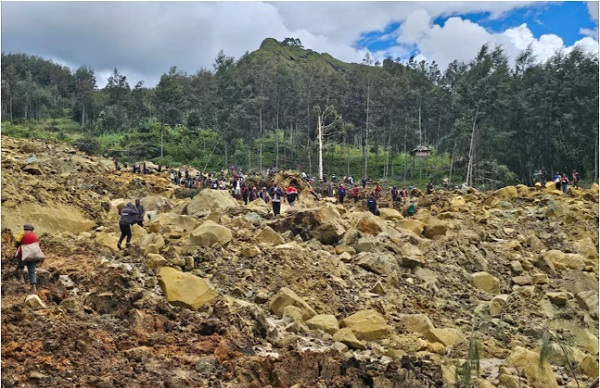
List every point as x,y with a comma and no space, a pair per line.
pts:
341,193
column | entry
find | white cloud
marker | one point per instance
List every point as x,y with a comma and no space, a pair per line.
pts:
461,39
144,39
593,10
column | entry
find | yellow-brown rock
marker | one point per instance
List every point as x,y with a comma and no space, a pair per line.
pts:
286,297
367,325
185,289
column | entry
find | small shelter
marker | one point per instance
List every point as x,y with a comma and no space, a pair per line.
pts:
421,151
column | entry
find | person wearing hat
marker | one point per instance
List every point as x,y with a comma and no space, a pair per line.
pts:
26,237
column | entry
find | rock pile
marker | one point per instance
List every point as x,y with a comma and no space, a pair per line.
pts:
214,293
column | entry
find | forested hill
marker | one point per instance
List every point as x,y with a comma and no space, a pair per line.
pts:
489,121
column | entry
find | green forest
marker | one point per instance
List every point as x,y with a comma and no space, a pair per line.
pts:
488,122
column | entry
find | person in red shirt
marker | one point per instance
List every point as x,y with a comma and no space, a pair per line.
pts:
26,237
377,191
291,195
355,193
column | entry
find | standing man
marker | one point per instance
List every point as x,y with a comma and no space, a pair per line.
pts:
341,193
394,194
355,194
429,187
140,216
543,177
276,193
564,181
575,177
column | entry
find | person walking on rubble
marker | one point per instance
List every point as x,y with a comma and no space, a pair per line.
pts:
28,254
141,211
372,204
128,217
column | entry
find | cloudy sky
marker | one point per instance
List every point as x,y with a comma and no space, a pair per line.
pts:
144,39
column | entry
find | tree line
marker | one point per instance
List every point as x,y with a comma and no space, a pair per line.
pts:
496,121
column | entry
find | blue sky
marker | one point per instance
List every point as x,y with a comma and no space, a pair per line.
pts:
144,39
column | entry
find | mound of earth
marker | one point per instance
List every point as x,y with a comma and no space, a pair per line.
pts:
213,293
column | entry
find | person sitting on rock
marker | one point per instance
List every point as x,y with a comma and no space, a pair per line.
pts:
128,217
140,210
372,204
26,237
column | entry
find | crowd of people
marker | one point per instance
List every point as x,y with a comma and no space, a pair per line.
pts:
561,181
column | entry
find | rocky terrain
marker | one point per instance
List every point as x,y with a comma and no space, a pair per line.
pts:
213,293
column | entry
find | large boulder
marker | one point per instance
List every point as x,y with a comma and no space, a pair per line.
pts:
447,337
370,224
457,204
506,192
269,236
411,256
107,241
52,218
184,289
497,304
155,261
184,224
210,234
527,362
324,224
367,325
565,260
434,228
347,337
156,203
587,248
326,322
379,263
390,214
209,200
286,297
588,300
259,207
412,225
416,323
152,242
485,282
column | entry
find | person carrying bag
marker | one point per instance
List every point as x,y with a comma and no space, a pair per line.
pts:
28,254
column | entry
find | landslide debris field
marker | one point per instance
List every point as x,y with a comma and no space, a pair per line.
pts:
213,293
